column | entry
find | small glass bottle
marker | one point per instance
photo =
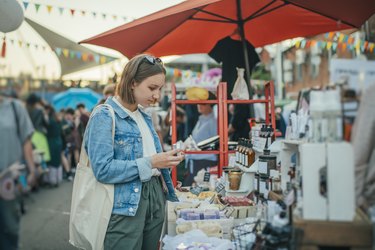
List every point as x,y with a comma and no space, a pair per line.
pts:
250,154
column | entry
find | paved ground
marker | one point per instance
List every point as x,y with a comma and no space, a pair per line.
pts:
46,223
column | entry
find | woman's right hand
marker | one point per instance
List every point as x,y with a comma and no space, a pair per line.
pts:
167,159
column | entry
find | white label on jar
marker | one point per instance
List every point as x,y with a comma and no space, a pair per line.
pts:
255,183
262,167
237,156
246,161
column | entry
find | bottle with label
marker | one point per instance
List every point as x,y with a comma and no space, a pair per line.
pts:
241,151
250,154
238,151
246,154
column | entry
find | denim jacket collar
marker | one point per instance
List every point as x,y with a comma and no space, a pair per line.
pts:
121,113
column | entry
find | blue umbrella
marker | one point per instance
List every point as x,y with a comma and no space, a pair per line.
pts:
74,96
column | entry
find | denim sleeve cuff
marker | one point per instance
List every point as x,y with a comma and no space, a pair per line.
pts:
144,168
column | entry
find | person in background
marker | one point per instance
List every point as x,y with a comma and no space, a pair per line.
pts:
205,128
39,118
72,139
55,143
363,140
82,118
134,162
108,91
15,133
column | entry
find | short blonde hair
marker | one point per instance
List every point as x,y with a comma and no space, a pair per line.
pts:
136,71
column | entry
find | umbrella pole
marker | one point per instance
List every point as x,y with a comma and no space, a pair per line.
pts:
240,24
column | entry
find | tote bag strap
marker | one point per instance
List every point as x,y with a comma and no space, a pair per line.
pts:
83,157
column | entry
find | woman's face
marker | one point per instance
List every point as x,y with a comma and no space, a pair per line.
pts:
147,92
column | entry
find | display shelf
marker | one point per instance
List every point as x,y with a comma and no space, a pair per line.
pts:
222,119
202,152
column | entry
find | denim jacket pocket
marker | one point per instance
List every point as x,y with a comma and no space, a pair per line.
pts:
124,145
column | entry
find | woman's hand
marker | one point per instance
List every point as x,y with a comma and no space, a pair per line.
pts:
167,159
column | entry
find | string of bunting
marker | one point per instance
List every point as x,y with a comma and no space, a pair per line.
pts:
338,41
67,53
74,12
176,73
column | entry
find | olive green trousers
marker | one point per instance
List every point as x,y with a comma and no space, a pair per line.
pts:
143,230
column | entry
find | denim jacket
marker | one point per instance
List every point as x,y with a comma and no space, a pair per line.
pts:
122,163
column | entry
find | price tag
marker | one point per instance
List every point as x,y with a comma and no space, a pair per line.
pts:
219,188
206,177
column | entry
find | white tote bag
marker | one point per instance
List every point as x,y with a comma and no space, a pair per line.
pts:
240,89
92,204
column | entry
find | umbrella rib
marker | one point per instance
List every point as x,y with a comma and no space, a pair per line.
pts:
263,13
317,12
214,14
256,12
211,20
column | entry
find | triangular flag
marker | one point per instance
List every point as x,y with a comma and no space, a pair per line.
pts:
36,46
79,54
303,44
72,54
12,41
61,10
372,46
329,45
84,57
308,43
66,52
49,9
28,45
20,43
104,15
125,18
37,6
324,44
94,14
97,58
341,37
114,17
72,12
298,43
346,38
57,50
25,5
44,48
343,46
366,43
83,12
90,57
103,59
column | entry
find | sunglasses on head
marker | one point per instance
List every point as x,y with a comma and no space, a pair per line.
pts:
153,60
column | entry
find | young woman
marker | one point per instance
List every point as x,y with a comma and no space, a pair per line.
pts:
134,162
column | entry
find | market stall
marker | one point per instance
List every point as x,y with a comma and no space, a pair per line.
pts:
293,193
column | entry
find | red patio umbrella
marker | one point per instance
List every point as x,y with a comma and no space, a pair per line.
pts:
194,26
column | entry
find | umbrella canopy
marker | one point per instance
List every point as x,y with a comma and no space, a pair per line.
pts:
74,96
194,26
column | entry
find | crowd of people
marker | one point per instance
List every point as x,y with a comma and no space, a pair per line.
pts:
40,148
